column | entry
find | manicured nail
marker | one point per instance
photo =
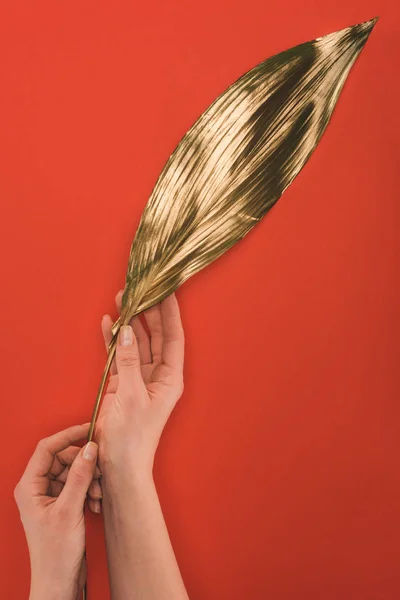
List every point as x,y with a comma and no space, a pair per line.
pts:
90,451
97,506
125,336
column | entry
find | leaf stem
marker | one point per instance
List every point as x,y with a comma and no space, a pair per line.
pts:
111,353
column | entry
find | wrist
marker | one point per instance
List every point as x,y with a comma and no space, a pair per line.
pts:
123,474
55,564
123,465
46,588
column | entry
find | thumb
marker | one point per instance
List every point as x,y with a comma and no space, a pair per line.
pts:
128,363
79,478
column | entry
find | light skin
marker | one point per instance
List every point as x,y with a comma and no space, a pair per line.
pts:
50,496
145,384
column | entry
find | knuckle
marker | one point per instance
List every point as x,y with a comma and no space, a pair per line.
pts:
178,387
63,511
78,478
95,492
129,359
157,357
42,444
17,492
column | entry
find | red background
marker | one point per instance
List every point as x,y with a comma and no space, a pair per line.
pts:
279,470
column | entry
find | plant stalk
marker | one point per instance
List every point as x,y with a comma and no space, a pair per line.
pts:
111,353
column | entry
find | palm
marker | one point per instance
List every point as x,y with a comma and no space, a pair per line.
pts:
157,375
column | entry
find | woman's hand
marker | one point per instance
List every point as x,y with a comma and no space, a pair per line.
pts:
146,382
51,496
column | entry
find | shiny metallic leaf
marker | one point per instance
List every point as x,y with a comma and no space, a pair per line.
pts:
234,164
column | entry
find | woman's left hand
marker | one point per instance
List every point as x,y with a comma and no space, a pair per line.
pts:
51,496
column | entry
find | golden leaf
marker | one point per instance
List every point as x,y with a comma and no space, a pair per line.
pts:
233,165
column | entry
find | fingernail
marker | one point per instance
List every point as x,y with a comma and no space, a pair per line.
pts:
125,336
97,507
90,451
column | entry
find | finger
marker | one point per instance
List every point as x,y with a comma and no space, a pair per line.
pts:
94,505
143,340
79,478
128,364
112,384
153,320
63,459
173,336
139,331
62,477
95,491
55,488
43,457
118,301
106,325
106,328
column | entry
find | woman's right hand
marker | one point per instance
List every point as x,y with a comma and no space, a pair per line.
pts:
145,384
